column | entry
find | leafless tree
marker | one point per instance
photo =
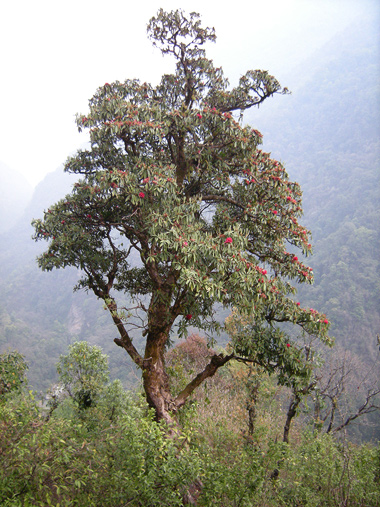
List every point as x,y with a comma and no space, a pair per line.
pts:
347,389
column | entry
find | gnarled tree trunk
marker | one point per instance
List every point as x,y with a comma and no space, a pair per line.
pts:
156,379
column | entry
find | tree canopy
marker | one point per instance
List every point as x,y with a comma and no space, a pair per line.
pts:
179,209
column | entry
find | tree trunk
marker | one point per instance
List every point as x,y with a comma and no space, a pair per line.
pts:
317,415
156,380
253,392
292,410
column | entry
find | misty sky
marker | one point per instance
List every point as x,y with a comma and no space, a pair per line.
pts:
55,54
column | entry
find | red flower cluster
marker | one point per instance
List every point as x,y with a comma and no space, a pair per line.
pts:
188,316
142,195
228,240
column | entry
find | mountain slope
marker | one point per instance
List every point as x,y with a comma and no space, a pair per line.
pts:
327,134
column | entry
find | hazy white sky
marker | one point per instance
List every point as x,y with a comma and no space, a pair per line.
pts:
55,54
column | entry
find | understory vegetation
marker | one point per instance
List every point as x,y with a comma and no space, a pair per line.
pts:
110,451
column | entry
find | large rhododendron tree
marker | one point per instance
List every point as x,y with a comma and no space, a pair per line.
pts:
179,209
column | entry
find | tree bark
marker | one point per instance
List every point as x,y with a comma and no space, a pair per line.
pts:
253,392
156,380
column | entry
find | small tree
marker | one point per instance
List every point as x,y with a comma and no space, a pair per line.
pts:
180,209
83,373
347,390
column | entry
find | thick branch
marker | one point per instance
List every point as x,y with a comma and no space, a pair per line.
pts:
125,341
216,362
222,198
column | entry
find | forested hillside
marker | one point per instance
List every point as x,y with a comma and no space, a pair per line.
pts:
327,134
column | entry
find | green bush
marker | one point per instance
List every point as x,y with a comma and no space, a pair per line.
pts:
325,472
60,462
115,455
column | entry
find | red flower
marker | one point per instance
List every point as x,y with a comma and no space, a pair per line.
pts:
199,115
295,259
185,243
188,316
298,304
228,240
142,195
275,212
264,271
325,321
288,345
62,221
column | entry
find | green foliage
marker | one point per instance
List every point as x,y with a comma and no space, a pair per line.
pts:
12,372
322,471
60,462
240,476
115,453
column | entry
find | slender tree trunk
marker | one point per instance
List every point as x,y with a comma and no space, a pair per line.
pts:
292,410
253,392
332,417
317,415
